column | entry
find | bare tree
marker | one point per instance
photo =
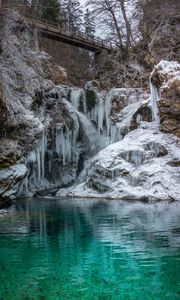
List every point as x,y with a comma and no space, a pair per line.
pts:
127,23
106,11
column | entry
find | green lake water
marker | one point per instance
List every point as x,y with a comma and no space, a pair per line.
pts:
90,249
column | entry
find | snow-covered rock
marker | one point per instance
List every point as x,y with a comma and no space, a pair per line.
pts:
143,166
10,181
166,78
26,75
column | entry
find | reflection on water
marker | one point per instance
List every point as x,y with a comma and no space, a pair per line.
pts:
90,249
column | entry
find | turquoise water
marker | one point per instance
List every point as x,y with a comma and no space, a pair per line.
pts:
90,249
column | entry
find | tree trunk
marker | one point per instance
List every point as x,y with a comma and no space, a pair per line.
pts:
128,27
117,27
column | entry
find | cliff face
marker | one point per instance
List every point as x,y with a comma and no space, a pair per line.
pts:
160,29
25,77
166,77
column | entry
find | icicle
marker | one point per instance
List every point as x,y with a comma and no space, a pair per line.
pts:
75,97
138,119
113,130
100,114
38,160
154,98
84,103
108,110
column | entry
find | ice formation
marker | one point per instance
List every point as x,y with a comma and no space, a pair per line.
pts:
63,154
143,166
154,99
132,165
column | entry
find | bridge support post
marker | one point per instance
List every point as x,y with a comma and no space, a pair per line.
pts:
36,39
97,57
100,58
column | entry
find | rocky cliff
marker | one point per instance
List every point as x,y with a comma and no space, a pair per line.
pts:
51,131
26,75
159,27
166,77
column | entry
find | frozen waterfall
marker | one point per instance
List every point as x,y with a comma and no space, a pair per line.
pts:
80,125
154,99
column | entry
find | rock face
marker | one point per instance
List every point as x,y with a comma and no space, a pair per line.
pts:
26,75
143,166
159,26
10,182
120,73
166,77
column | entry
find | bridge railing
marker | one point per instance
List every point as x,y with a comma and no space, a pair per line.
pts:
36,19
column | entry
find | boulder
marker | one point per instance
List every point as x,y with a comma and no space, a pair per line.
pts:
143,166
10,182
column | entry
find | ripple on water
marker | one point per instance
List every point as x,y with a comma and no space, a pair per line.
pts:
60,250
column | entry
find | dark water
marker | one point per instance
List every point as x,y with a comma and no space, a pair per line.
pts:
88,249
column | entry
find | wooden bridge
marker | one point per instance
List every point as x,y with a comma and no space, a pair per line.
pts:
53,31
78,39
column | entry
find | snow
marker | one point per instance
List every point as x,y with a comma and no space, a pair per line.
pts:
136,168
167,71
11,180
167,67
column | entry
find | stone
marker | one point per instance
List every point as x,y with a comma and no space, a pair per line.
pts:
143,166
10,182
166,77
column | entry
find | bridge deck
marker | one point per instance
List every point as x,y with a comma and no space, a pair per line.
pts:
78,40
53,31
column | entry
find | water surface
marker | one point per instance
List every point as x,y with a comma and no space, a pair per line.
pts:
90,249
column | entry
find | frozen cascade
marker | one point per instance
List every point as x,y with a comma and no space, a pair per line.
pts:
35,161
63,144
99,114
75,97
90,133
154,99
108,110
64,153
48,164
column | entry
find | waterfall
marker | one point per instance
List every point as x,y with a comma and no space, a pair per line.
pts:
154,98
77,130
75,97
107,111
90,133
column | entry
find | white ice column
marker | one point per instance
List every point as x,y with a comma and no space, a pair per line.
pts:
154,99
